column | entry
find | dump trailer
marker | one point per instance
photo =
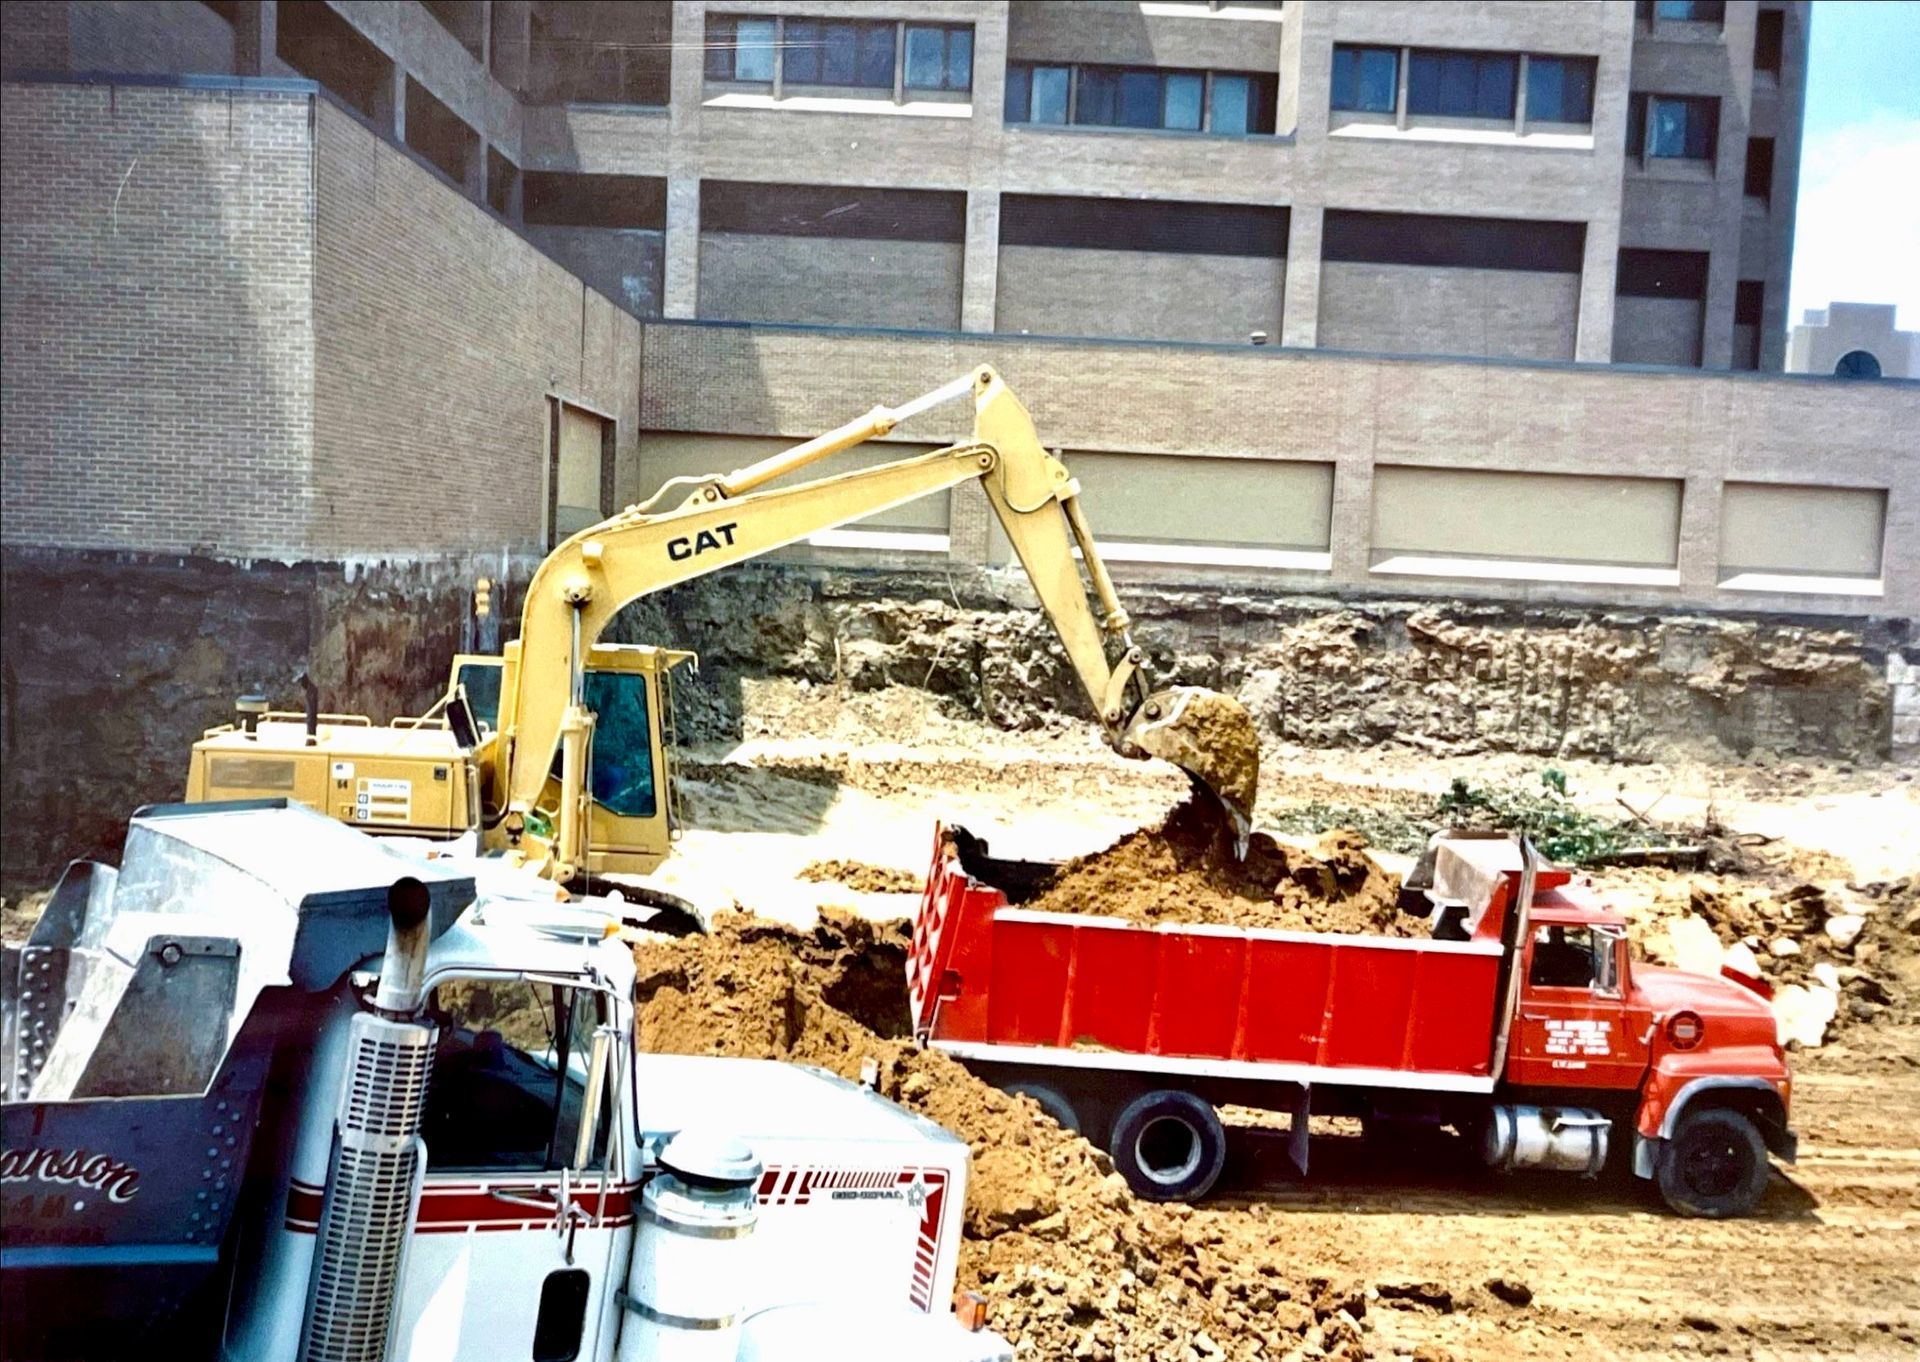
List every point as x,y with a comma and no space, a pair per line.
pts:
275,1090
1521,1021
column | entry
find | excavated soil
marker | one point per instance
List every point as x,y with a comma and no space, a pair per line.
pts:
1071,1265
863,878
1184,870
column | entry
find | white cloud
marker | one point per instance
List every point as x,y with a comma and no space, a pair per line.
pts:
1857,234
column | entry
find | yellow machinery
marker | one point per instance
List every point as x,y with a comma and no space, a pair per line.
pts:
557,753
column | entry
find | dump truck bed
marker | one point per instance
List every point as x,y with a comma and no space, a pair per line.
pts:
991,980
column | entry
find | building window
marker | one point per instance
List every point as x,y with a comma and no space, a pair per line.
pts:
1760,167
1462,84
1857,364
1560,89
740,49
1672,127
850,55
1365,79
1689,11
1232,104
1769,38
939,58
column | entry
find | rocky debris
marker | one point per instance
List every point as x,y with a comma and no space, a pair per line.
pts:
1070,1264
1511,1290
1184,870
864,878
1836,954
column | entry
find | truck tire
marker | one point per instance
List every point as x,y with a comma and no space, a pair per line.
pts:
1715,1165
1169,1146
1051,1100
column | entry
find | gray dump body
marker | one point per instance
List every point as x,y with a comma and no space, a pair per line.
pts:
139,1027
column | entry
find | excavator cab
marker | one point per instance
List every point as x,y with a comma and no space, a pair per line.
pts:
628,687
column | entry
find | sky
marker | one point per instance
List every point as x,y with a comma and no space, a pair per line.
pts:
1857,232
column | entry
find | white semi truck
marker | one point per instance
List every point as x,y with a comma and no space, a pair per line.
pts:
276,1091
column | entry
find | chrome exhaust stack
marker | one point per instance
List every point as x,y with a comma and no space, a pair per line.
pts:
378,1160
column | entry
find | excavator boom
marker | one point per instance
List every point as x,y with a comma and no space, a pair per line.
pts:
727,519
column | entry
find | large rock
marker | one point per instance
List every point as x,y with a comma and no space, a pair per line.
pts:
1802,1014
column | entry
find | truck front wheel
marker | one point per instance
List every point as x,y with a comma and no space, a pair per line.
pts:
1169,1146
1714,1166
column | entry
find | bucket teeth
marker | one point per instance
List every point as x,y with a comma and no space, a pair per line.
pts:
1208,735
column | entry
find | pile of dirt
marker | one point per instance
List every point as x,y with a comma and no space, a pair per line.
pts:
1184,870
1070,1264
864,878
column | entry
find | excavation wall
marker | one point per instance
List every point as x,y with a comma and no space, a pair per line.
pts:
113,664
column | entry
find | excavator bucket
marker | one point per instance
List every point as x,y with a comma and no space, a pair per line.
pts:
1208,735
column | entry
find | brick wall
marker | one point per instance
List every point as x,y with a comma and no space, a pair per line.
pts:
1145,295
440,335
156,280
1354,412
1418,309
846,281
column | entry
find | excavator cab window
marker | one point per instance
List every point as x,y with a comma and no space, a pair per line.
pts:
481,681
622,743
509,1074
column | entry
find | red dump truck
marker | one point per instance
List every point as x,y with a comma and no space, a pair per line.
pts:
1520,1020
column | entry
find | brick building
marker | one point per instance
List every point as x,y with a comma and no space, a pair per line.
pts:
1559,181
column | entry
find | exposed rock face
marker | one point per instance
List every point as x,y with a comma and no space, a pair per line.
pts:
113,664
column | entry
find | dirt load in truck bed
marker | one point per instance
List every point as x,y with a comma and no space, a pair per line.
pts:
1184,870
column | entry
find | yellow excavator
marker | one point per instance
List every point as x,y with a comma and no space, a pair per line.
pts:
557,754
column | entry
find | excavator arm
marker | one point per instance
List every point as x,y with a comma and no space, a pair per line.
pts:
728,519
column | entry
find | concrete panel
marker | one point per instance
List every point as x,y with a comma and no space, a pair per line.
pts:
1116,32
1058,291
1510,25
1816,531
1419,309
623,263
666,454
1248,503
1540,517
845,281
149,38
1657,331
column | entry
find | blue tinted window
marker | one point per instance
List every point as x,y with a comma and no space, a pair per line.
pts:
1140,96
1231,104
838,57
1365,79
1183,102
960,59
1019,93
1560,89
1099,98
1680,128
1691,11
875,64
753,49
482,684
1461,84
800,57
1050,94
926,58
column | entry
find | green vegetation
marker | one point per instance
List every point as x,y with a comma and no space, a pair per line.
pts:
1561,830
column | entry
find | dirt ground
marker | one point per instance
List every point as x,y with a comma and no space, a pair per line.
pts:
1425,1257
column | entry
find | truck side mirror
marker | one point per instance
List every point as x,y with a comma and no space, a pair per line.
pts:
594,1098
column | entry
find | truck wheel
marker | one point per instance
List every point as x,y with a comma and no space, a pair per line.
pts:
1715,1165
1169,1145
1051,1100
